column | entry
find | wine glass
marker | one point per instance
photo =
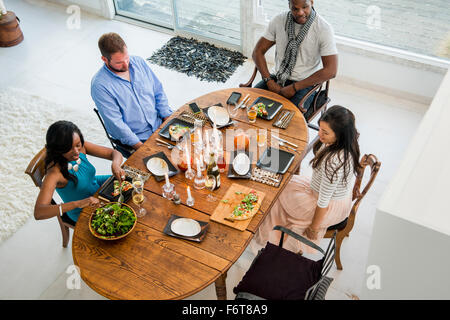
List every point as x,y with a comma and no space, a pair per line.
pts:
210,184
138,195
138,199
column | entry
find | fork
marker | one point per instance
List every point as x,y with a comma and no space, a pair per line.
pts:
170,147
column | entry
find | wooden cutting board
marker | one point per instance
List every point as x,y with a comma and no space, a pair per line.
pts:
224,210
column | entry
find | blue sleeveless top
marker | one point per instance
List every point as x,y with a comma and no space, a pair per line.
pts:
88,184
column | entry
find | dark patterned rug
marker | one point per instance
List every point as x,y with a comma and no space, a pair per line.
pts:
200,59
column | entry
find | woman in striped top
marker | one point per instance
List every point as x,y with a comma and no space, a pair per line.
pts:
309,206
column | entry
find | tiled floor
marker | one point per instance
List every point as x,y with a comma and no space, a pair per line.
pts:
57,64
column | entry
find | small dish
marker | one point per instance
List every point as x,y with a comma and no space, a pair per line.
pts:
197,238
172,169
157,166
241,164
185,227
219,115
275,160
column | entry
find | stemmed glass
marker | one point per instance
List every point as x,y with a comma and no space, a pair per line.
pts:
210,184
138,195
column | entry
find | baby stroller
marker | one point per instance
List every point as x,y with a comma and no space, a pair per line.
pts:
279,274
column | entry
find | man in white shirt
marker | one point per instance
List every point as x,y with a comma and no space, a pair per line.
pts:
305,52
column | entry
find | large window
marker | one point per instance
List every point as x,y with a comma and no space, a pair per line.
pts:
215,19
417,26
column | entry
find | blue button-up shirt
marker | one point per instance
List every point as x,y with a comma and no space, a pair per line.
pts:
131,110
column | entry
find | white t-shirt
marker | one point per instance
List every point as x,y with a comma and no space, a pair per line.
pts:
318,42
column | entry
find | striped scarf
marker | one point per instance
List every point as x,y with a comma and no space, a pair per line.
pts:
290,54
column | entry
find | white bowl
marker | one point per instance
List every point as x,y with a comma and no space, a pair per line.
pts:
157,166
219,115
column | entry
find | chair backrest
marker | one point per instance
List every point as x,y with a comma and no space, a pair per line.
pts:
104,127
36,168
371,161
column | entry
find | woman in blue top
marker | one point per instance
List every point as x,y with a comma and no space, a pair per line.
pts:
68,171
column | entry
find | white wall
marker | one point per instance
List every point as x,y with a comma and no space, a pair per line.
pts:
411,234
104,8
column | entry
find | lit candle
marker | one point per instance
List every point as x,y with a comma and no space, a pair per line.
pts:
188,156
166,175
189,192
3,8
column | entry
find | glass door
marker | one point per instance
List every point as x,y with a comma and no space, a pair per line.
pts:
214,19
157,12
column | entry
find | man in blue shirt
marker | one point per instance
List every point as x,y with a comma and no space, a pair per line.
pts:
128,95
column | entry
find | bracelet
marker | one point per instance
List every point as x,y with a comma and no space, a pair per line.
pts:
312,231
293,85
60,210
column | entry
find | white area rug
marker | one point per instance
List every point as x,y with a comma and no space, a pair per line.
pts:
24,120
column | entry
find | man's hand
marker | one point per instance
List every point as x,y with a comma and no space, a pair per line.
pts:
288,91
137,145
273,86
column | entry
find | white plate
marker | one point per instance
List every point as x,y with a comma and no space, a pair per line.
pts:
241,164
185,227
218,115
157,166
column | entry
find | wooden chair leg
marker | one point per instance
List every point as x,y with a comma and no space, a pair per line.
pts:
221,288
339,238
65,235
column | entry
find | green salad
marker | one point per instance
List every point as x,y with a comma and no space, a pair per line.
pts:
112,220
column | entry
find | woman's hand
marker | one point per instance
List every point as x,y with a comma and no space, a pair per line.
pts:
118,172
311,233
91,202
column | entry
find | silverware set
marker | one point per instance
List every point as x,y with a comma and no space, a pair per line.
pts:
285,143
162,143
283,120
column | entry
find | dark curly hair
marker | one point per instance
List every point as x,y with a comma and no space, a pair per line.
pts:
59,140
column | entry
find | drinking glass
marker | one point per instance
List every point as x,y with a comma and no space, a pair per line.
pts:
251,114
232,110
138,199
262,137
210,184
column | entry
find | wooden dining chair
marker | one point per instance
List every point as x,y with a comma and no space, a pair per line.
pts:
343,228
318,105
124,149
36,171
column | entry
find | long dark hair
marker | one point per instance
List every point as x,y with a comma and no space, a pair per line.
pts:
342,122
59,140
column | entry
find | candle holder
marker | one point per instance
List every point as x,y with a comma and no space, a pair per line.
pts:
199,180
168,189
190,199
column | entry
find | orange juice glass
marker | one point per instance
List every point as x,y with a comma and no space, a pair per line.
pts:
251,114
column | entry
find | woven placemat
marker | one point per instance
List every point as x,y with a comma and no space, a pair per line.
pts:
188,117
266,177
133,172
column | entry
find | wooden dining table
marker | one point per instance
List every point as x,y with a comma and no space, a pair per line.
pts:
148,264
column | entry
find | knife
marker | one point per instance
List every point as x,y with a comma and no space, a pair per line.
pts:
285,141
240,103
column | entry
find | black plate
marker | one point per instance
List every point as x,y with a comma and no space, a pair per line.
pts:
164,132
231,173
198,238
275,160
205,111
172,169
272,111
108,188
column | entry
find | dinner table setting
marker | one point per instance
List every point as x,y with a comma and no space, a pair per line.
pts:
193,197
